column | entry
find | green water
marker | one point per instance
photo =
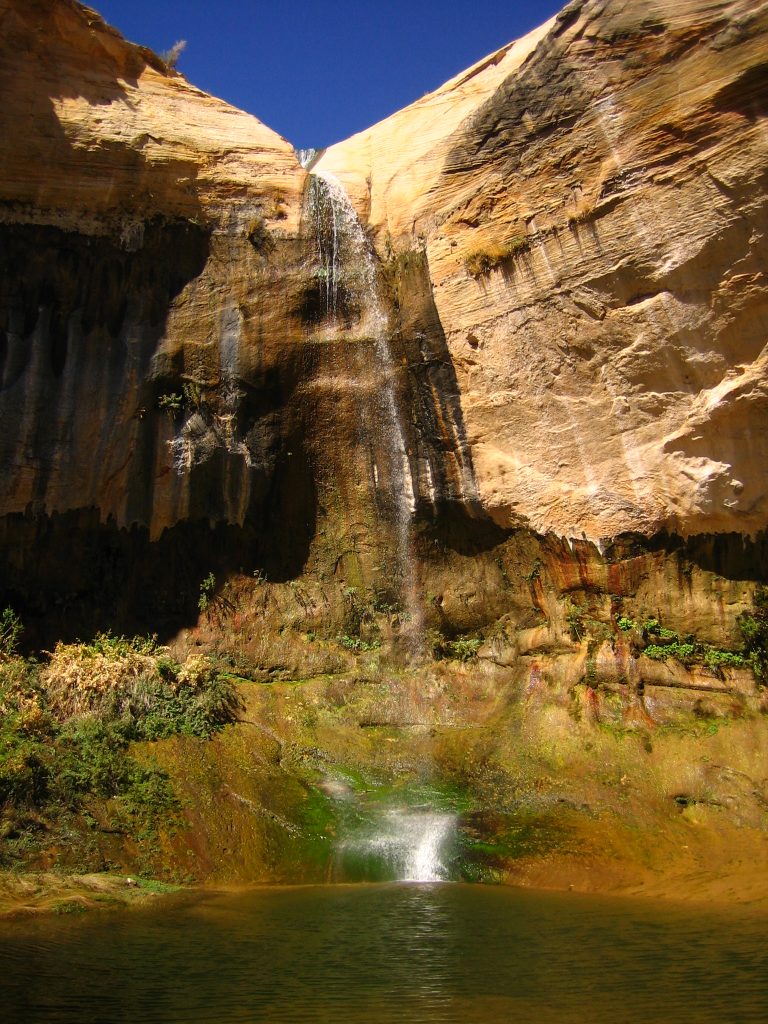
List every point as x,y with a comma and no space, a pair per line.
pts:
390,953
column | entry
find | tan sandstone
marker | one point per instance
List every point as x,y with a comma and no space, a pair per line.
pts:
611,167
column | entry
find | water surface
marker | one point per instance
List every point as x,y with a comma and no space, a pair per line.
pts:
390,953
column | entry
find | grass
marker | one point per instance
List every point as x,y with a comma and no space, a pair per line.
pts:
67,770
481,262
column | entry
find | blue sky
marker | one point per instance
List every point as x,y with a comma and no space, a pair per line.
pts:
319,72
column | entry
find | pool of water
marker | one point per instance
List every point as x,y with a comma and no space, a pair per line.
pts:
389,953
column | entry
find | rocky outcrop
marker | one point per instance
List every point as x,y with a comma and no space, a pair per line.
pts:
591,202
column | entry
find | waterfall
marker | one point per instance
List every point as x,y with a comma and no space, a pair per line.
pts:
308,157
404,845
347,272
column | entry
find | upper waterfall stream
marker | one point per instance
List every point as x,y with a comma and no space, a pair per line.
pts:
348,273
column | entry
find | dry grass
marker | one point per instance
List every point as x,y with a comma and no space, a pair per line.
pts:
80,682
113,676
482,261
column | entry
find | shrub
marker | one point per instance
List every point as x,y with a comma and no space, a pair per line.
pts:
171,403
10,631
461,648
357,645
714,658
150,694
684,652
625,624
207,588
65,740
171,57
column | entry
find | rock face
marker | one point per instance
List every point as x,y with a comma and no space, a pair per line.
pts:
178,391
592,205
502,402
205,365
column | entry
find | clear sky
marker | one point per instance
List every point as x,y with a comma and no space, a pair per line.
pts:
317,72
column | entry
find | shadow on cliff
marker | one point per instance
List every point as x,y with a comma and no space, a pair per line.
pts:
70,574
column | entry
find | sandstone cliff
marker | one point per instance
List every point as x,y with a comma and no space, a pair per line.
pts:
572,263
493,493
592,205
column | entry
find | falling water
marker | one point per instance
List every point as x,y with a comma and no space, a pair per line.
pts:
308,157
404,845
348,269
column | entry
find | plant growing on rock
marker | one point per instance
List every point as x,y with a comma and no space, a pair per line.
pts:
754,632
171,403
207,590
481,262
138,684
171,57
65,735
625,624
10,632
460,648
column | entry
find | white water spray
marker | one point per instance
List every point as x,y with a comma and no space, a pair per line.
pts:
406,846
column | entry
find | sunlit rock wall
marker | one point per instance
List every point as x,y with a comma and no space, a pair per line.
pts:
592,203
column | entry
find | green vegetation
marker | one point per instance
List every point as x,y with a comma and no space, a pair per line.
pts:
171,403
10,631
357,645
67,770
625,624
460,648
207,589
663,643
714,658
174,402
681,651
574,616
535,571
754,631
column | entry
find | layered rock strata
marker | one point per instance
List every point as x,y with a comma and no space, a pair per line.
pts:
591,203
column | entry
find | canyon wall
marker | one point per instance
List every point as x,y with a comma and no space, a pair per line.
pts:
591,201
481,466
570,260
